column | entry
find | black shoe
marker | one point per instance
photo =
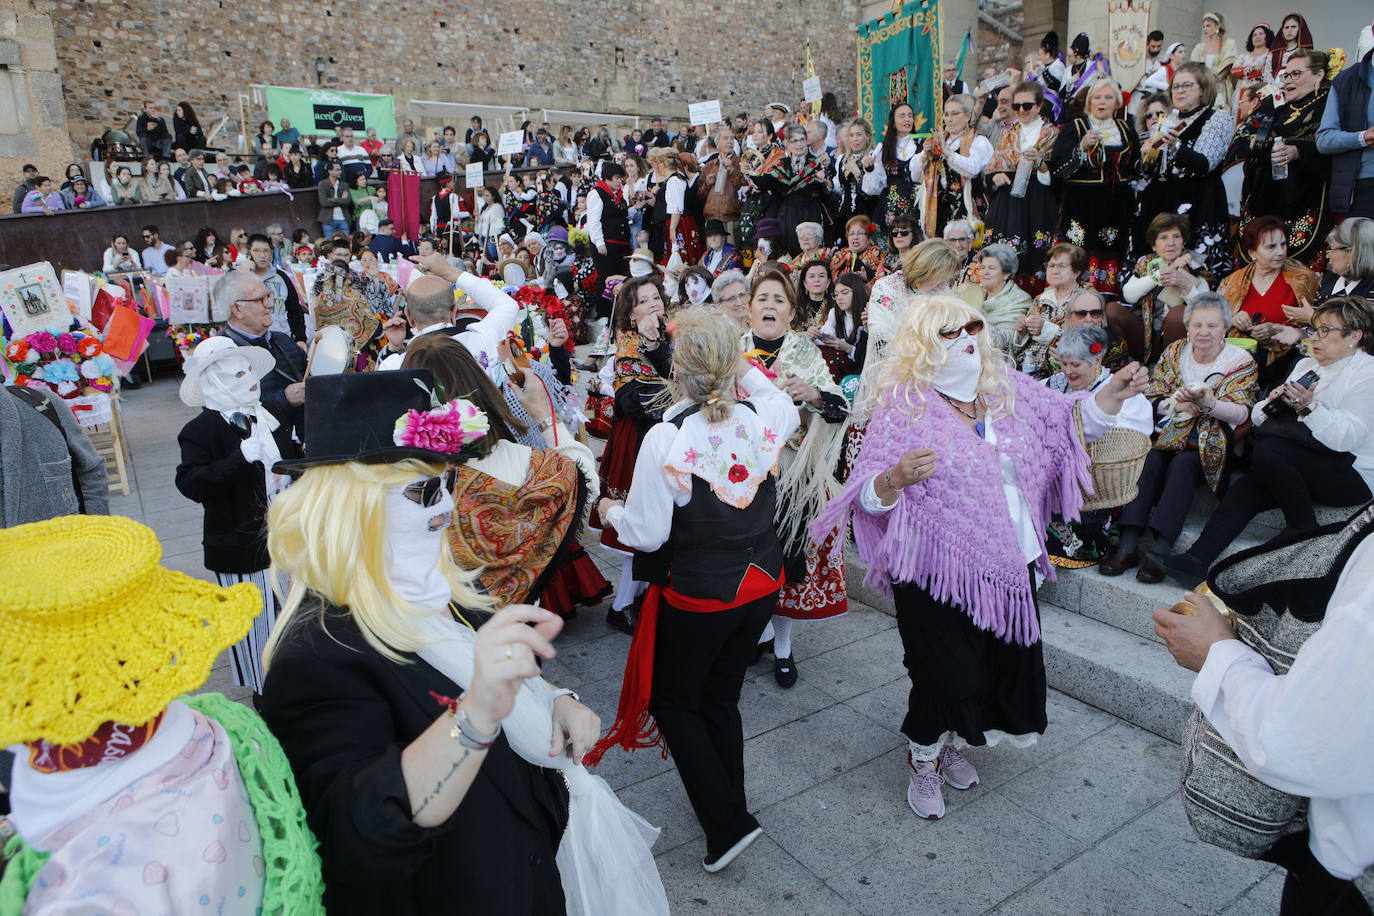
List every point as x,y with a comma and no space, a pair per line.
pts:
1186,569
760,649
130,383
714,864
618,621
1150,572
785,671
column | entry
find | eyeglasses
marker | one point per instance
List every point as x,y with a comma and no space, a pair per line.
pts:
148,235
1185,85
1329,248
1022,106
972,328
1320,331
736,298
261,300
426,492
1087,313
901,232
959,238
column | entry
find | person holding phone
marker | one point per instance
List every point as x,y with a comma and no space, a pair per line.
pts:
1314,442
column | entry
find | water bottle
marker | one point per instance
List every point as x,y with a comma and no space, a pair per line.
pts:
1279,171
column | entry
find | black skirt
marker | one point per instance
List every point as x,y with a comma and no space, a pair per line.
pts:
1025,223
963,679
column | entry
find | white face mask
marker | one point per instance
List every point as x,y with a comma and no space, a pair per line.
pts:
697,289
764,249
958,377
413,547
639,268
226,390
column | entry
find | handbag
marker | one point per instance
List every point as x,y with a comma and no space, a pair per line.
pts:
1279,592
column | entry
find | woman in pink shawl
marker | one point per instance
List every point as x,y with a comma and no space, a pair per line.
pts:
964,463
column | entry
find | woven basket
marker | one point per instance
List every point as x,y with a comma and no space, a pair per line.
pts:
1117,460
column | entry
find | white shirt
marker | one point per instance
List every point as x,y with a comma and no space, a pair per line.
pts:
874,181
1342,416
594,208
483,336
1095,425
646,519
155,259
1310,732
972,163
1027,136
674,196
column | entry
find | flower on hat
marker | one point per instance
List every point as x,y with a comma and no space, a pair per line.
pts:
17,351
450,428
42,341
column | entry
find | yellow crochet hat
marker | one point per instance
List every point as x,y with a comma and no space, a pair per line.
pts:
93,630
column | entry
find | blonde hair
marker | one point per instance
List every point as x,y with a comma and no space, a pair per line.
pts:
918,352
705,354
326,533
933,261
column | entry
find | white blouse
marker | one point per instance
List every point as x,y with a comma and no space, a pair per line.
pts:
1342,416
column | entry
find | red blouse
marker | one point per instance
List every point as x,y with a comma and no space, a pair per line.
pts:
1270,304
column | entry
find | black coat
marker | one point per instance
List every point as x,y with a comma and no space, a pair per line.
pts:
290,368
213,472
1328,283
343,714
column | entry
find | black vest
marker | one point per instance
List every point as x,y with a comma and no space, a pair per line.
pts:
713,544
615,218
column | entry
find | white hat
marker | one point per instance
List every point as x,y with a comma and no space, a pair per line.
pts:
213,350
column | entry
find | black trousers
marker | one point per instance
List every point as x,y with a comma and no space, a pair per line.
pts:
1286,475
699,666
964,679
1167,483
1309,889
615,262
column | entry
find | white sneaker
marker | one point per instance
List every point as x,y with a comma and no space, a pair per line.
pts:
955,769
923,794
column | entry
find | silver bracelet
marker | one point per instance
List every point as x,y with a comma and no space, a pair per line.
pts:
468,736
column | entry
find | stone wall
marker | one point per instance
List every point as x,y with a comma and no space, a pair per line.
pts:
113,55
33,121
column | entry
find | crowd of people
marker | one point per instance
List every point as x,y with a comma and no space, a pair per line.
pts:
1037,336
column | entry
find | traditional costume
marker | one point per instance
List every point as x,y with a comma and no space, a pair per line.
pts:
893,180
1097,196
359,306
1021,211
1187,179
795,191
1299,198
126,799
952,181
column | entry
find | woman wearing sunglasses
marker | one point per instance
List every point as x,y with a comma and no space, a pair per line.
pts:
1021,203
433,761
964,461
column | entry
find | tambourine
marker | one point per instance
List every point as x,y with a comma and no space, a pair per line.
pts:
331,353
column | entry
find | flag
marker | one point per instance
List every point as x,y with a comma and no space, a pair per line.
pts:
963,53
811,74
899,61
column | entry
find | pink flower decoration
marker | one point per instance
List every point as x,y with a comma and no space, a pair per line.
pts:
691,456
66,343
447,429
42,341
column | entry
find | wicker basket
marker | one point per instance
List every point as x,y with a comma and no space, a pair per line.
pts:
1117,460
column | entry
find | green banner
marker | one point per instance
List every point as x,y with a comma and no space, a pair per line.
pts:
319,111
899,61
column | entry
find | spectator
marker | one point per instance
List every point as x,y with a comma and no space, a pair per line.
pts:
119,258
27,184
540,152
154,187
125,189
565,152
372,145
435,160
181,261
1314,441
1349,261
329,154
44,198
265,143
298,173
155,250
385,244
335,202
287,136
80,196
186,127
1346,135
353,157
197,181
248,303
288,315
181,163
152,131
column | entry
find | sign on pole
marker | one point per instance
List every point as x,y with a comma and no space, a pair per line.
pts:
704,113
811,89
511,142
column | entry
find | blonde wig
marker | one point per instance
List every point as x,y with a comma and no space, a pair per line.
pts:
933,262
917,353
705,354
327,533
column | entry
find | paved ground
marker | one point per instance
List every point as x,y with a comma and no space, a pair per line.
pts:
1087,821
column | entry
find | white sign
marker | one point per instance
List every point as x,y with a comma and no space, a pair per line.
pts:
76,286
474,175
700,113
188,299
511,142
811,89
33,301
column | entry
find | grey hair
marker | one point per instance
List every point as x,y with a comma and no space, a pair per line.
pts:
428,309
957,223
1088,291
813,228
1357,234
1005,255
272,226
793,130
966,102
1077,343
1207,300
724,280
228,289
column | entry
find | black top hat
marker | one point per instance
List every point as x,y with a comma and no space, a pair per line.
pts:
352,417
714,227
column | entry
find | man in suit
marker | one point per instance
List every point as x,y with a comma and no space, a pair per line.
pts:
952,84
197,181
249,304
335,202
386,246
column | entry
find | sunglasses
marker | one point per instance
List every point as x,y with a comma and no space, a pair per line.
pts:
972,329
901,232
1022,106
1087,313
426,492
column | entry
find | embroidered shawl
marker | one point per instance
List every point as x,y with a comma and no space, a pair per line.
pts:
1237,284
733,457
1239,385
952,533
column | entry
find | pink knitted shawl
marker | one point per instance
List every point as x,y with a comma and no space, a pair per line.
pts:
952,533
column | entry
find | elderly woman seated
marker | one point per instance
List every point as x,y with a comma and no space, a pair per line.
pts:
1349,261
1088,309
1162,281
811,239
730,294
1037,331
1080,354
1202,388
859,255
1005,301
1314,438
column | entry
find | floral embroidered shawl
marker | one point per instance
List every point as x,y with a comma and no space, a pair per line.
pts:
1240,385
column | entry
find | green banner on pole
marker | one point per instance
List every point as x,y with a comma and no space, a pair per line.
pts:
319,111
899,61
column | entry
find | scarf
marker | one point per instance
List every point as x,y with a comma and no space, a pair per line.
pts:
952,534
604,858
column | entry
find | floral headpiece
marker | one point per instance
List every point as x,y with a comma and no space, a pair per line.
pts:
1095,348
457,429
